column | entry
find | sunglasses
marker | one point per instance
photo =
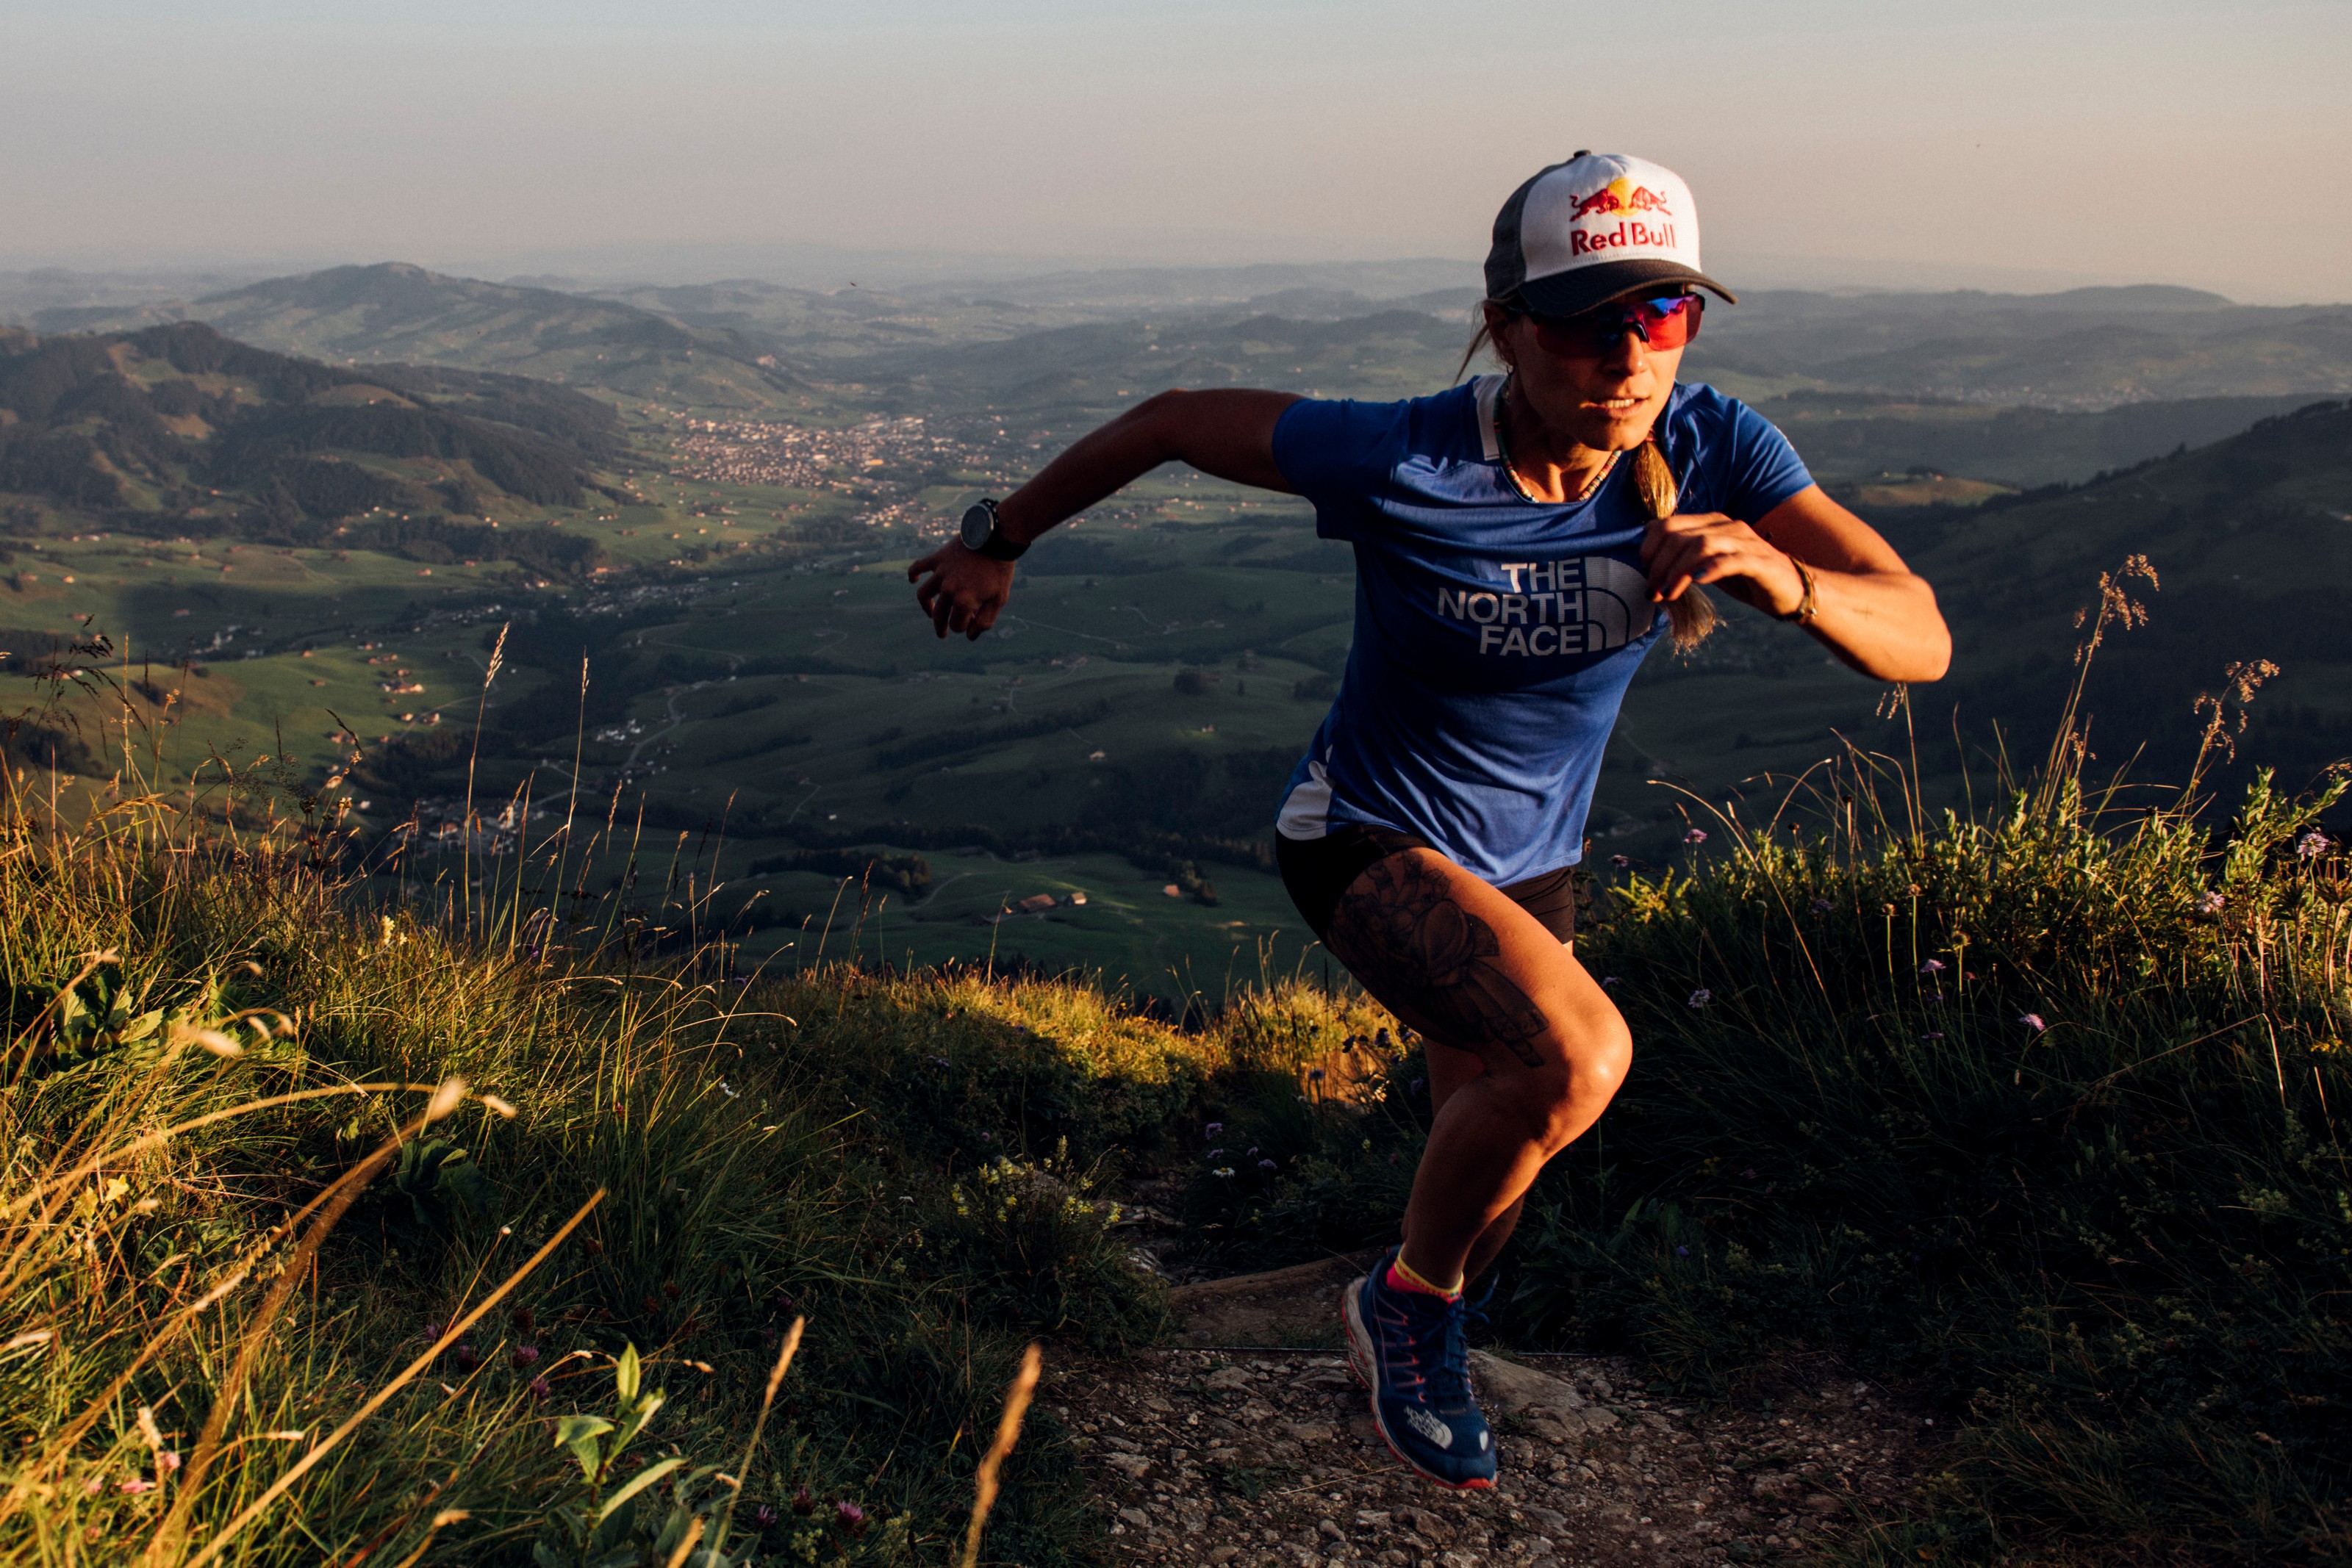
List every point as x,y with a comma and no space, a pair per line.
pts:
1667,322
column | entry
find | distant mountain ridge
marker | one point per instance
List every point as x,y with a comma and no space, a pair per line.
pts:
393,311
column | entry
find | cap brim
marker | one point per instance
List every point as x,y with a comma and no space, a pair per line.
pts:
1587,288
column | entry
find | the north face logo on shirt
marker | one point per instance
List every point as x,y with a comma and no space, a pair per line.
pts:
1587,605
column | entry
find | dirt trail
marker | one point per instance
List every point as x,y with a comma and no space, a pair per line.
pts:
1267,1458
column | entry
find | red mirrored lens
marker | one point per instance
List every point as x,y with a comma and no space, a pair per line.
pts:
1664,323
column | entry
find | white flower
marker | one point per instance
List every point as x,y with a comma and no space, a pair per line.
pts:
1700,997
2313,845
2211,903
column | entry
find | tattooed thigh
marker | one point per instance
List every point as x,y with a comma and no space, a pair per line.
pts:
1437,965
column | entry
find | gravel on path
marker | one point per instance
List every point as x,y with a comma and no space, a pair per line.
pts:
1255,1459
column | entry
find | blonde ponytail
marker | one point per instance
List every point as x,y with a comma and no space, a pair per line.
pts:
1690,618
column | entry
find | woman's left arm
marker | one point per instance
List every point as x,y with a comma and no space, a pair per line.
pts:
1870,608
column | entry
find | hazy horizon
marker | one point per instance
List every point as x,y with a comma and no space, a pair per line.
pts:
2015,148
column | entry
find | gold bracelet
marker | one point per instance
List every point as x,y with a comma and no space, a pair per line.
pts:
1807,607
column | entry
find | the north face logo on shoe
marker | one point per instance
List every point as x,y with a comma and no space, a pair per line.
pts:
1430,1427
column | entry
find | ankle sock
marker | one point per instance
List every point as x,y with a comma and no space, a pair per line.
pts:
1400,1278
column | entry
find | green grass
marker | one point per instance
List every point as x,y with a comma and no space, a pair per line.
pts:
914,1163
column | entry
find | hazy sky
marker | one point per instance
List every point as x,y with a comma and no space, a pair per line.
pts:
2017,143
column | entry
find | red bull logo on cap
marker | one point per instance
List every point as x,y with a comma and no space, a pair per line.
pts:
1621,195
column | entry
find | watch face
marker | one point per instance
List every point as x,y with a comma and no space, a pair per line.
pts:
978,523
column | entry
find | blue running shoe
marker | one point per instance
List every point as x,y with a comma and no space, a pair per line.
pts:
1409,1349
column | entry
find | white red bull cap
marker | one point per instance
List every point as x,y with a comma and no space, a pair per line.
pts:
1596,228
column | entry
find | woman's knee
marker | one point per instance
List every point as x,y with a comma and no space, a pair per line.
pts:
1559,1102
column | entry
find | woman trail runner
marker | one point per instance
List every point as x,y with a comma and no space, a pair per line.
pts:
1522,542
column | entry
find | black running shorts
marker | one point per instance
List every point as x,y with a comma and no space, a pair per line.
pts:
1317,872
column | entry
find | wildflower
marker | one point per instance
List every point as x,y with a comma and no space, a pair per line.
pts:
1252,1148
97,1484
1222,1171
432,1331
1393,1157
2033,1021
134,1486
526,1354
1607,981
540,1388
1682,1252
1380,1038
1213,1154
1695,836
1416,1087
1314,1075
1932,1034
1700,997
2311,846
167,1460
939,1061
1932,966
1214,1128
731,1093
1822,906
852,1516
2211,902
1267,1165
763,1516
803,1502
1300,1098
1748,1175
1623,863
466,1358
525,1318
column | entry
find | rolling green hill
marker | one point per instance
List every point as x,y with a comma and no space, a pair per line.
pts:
177,429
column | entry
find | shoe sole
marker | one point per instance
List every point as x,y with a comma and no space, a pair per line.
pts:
1362,1363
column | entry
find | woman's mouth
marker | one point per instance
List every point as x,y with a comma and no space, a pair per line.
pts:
1615,405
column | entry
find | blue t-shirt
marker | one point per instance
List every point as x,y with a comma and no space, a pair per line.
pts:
1494,635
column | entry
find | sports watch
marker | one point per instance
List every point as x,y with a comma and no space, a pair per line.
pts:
981,536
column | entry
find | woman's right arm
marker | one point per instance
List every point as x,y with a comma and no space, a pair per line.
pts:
1228,435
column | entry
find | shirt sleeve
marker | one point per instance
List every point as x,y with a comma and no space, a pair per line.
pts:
1339,455
1757,468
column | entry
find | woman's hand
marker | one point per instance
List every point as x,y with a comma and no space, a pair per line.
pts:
1707,546
1869,609
963,591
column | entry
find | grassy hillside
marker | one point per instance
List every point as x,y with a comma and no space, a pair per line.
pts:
250,1251
333,1204
178,430
2246,549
